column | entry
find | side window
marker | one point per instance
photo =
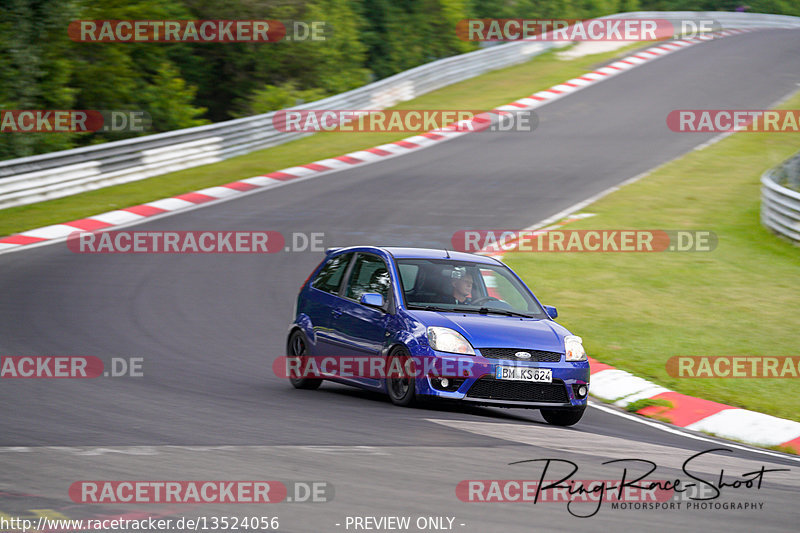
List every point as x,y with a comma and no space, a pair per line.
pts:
330,277
369,275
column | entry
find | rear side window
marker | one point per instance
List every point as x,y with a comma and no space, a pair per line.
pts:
330,277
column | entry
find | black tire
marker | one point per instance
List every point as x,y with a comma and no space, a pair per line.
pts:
296,347
402,391
563,417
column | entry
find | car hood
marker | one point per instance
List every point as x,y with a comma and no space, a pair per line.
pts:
494,331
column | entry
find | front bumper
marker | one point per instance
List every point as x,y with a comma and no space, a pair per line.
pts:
480,387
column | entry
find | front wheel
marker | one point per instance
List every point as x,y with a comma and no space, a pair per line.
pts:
400,382
563,417
296,348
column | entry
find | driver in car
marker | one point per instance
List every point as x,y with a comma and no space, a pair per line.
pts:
462,288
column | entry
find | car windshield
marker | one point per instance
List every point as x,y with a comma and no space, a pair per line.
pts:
465,286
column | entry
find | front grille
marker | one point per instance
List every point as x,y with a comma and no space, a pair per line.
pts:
539,356
489,388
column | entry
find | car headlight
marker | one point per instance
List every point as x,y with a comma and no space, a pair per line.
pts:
573,347
449,340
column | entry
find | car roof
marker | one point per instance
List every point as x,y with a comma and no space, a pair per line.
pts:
425,253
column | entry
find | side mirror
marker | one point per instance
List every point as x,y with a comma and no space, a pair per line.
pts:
372,299
552,312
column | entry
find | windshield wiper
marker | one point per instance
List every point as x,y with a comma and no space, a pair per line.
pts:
431,308
507,312
487,310
481,310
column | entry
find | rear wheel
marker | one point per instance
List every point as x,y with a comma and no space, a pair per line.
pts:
402,388
296,349
563,417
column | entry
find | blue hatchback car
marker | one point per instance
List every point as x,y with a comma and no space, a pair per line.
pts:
472,328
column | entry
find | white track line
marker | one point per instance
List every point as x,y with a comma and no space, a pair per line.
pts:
680,431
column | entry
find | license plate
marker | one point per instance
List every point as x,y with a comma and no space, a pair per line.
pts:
520,373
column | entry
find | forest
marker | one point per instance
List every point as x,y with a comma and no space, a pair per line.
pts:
187,84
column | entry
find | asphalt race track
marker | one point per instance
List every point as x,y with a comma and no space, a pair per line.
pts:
209,326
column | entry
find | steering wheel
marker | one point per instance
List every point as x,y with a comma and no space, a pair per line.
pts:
484,300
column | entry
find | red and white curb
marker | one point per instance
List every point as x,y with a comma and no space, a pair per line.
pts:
622,388
132,215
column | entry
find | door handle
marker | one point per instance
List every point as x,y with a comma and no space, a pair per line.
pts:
336,313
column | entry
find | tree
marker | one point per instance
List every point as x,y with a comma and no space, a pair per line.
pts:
35,70
134,76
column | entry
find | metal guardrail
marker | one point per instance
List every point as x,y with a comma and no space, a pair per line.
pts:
726,19
53,175
780,199
42,177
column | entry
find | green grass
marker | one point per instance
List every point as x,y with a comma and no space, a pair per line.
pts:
635,311
484,92
784,449
638,405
